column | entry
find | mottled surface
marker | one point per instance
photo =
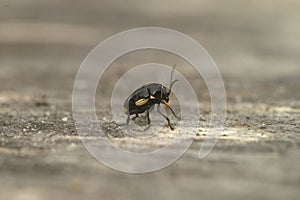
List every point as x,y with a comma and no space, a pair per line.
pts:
256,46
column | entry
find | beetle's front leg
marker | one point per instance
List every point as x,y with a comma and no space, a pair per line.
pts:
167,118
177,117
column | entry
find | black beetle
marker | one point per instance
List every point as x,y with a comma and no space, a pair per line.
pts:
144,98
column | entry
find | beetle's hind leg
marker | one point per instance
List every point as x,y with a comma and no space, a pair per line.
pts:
167,118
136,116
128,118
148,117
149,121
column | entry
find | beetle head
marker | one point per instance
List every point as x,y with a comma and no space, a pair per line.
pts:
165,93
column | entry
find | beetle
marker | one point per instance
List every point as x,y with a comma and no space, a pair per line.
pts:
145,97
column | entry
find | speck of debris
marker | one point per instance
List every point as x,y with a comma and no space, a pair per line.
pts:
64,119
263,126
41,101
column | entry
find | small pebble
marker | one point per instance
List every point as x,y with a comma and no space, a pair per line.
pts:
64,119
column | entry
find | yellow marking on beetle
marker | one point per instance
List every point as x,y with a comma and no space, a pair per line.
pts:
141,102
152,97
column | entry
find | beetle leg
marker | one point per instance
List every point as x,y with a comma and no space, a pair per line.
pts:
136,115
128,118
169,123
149,121
148,117
170,109
151,108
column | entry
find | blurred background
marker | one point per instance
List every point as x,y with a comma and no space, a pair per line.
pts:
255,44
248,39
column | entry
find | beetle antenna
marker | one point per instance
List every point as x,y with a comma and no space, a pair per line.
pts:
172,74
172,82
